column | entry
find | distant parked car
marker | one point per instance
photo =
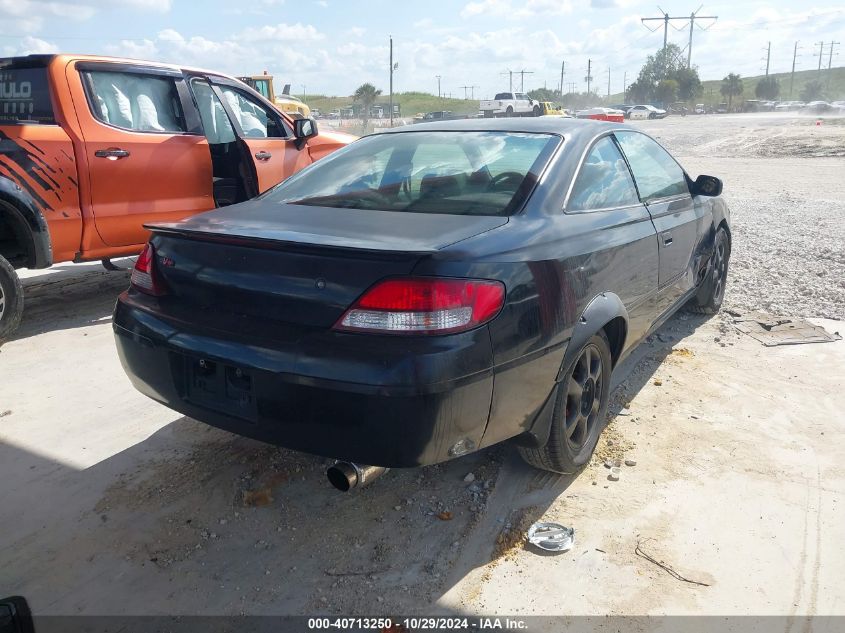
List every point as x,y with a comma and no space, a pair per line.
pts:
645,112
722,108
624,107
477,282
818,107
509,104
601,114
700,109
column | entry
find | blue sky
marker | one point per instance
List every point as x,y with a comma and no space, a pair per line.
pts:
332,46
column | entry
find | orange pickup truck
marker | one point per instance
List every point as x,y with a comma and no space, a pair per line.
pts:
93,148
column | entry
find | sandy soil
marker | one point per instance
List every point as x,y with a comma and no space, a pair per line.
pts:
113,504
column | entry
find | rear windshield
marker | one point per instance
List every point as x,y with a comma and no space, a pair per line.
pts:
25,97
459,173
503,96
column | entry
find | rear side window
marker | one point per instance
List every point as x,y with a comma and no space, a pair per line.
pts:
604,181
136,102
656,172
457,173
25,97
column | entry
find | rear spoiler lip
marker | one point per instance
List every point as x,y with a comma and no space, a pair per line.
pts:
277,244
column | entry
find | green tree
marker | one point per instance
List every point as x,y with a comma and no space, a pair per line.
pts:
731,87
667,64
666,92
812,91
689,84
767,88
366,95
544,94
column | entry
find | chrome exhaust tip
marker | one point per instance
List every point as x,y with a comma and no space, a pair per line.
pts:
345,475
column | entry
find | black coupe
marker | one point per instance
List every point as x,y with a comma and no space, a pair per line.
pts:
428,291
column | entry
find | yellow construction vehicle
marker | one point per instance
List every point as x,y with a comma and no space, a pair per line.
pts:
286,102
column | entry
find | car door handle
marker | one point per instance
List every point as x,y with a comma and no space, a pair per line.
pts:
262,155
667,238
112,153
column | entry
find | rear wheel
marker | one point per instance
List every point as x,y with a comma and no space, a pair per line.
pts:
580,410
708,300
509,112
11,299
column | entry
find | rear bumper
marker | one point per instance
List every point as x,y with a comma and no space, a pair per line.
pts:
381,400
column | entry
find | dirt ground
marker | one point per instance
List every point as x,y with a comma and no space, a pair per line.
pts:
112,504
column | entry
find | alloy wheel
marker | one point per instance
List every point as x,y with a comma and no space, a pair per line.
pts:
583,397
720,269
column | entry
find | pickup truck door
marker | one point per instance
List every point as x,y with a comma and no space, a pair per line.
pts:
265,134
662,186
145,157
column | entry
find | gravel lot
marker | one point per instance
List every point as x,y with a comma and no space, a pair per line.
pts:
785,183
113,504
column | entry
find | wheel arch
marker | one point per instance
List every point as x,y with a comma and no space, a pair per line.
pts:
605,312
24,234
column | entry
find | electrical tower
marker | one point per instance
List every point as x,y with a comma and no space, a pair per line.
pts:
666,19
522,74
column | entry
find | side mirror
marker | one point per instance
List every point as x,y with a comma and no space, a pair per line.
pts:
303,129
707,186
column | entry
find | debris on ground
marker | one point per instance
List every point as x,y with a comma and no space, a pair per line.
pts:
3,414
470,477
639,552
658,382
630,462
445,516
615,472
773,330
257,498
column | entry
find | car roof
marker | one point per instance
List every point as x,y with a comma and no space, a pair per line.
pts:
563,127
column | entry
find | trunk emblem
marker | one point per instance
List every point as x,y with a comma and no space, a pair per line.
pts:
321,284
166,261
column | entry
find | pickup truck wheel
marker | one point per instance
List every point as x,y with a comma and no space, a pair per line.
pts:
536,110
580,411
11,299
509,112
708,299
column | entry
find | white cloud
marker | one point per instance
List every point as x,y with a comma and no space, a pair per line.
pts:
290,32
519,10
35,46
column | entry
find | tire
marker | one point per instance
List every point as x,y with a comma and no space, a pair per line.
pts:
536,111
11,299
708,299
509,112
585,387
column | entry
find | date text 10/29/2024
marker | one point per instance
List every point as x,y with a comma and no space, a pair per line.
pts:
402,625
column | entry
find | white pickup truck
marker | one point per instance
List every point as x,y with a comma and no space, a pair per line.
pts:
510,104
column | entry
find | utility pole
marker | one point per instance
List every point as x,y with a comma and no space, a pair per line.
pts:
608,83
391,82
589,77
522,74
438,85
471,89
509,73
820,54
666,18
830,60
792,76
562,73
768,58
625,87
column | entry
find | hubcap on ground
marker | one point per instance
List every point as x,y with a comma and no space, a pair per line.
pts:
583,397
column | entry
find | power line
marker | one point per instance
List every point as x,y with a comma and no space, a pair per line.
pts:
667,19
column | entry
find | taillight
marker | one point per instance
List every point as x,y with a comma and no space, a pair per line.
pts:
144,276
420,305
